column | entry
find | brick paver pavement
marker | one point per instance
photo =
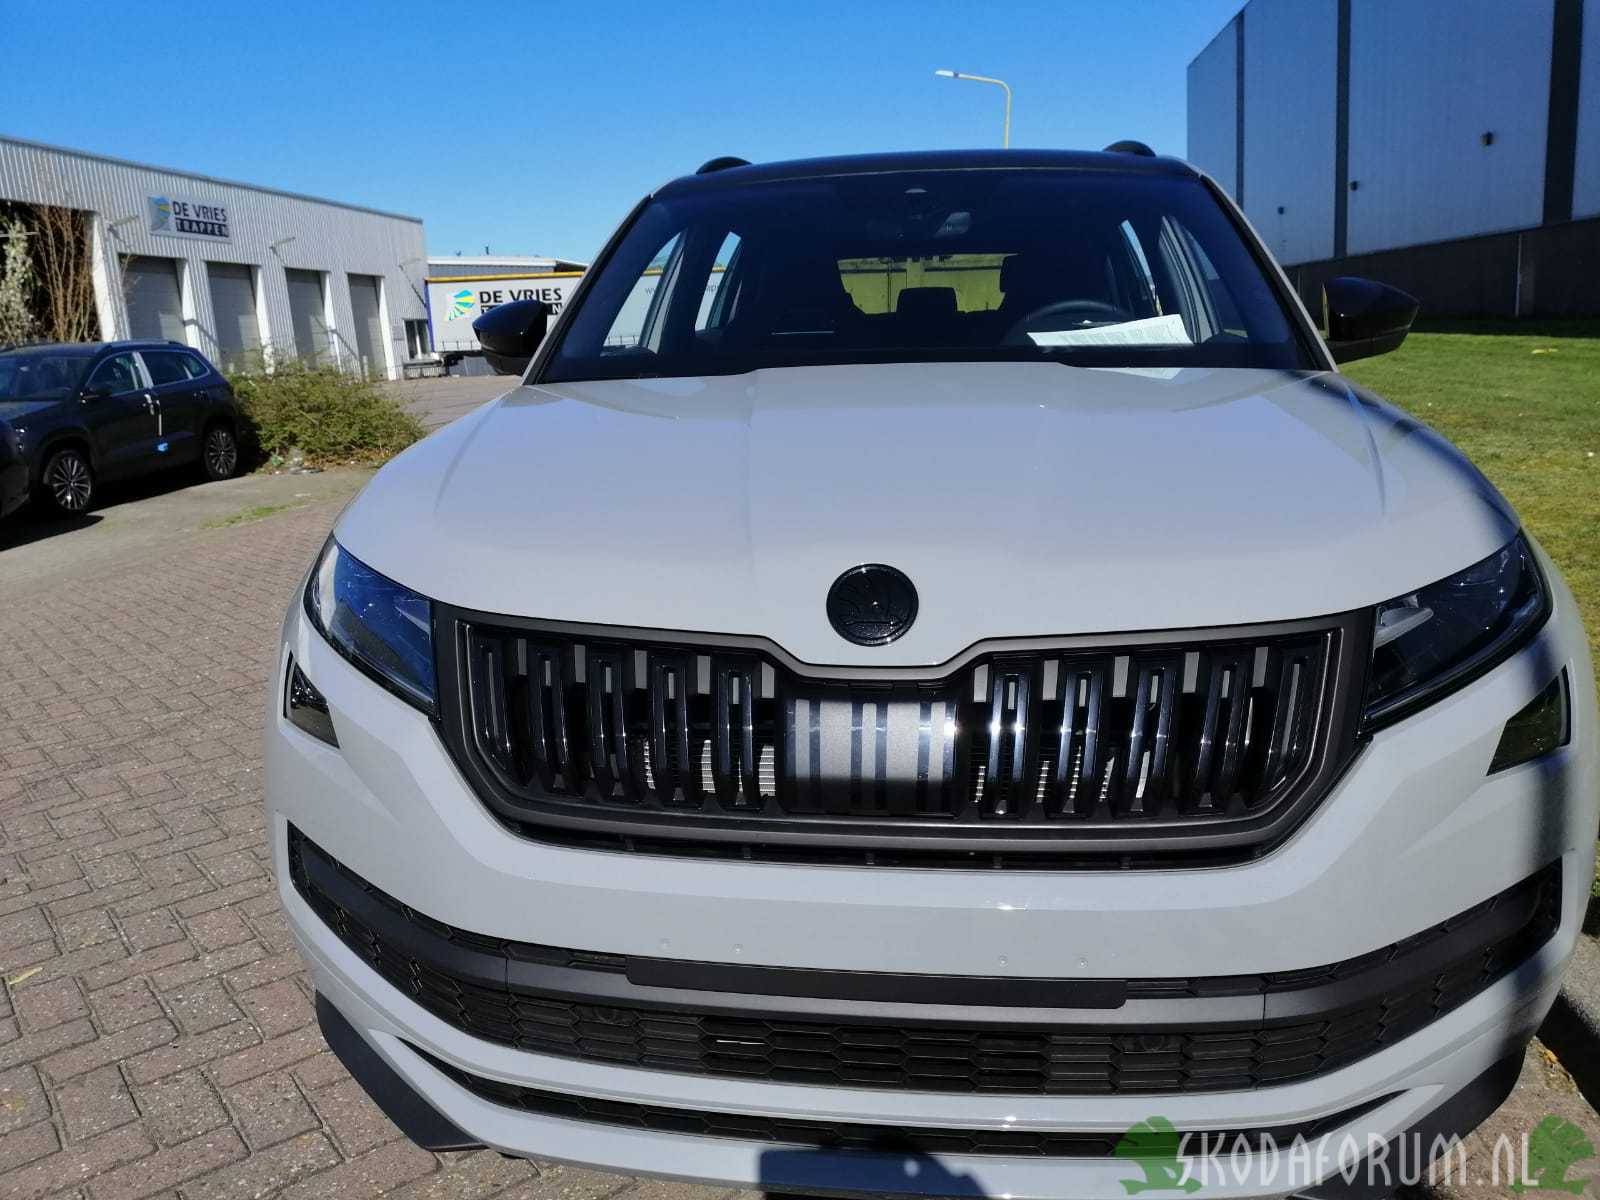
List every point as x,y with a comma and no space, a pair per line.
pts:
156,1029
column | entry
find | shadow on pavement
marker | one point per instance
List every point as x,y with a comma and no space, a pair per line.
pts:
35,523
793,1174
25,527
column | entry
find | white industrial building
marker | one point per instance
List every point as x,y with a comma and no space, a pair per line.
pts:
1451,147
244,274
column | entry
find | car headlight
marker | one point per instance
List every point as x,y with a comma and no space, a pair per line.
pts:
383,628
1439,638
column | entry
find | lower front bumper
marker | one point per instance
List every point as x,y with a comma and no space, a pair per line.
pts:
888,1171
400,1050
436,1111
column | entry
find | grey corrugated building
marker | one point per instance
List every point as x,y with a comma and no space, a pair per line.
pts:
242,273
1451,147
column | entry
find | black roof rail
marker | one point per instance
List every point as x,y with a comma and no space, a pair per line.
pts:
1129,146
722,164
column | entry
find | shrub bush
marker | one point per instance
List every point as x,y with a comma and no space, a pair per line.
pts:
326,415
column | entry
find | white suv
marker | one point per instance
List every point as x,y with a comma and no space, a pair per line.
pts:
932,670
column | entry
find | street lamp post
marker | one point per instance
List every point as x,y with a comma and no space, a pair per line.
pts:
1000,83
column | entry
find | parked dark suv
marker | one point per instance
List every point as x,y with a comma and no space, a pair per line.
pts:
13,471
83,414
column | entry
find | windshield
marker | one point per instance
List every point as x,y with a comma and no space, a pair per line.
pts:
25,376
1093,268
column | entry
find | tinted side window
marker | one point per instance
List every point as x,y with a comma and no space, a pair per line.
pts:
638,322
716,308
195,365
117,374
165,366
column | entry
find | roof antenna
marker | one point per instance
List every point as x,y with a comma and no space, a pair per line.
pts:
1129,146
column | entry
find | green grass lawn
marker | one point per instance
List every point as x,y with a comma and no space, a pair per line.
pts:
1523,401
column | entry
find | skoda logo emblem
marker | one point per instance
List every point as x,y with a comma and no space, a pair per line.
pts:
872,604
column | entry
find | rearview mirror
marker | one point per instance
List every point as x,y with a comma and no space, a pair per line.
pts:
1364,317
510,333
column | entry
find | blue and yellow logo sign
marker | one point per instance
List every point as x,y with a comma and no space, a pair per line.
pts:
160,213
462,303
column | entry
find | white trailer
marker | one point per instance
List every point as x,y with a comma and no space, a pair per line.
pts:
456,301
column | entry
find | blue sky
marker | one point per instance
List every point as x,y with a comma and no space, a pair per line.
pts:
533,131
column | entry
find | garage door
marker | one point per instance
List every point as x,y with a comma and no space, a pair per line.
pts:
155,303
233,309
308,315
369,324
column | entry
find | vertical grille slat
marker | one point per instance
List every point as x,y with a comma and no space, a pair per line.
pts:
674,745
936,781
1225,682
489,705
1290,724
1233,738
733,734
1160,782
615,756
1093,716
543,712
1153,683
1012,767
563,741
1187,734
971,747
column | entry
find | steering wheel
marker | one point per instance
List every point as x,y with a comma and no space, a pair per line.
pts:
1096,311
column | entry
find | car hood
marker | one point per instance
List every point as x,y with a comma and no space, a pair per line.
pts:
1021,499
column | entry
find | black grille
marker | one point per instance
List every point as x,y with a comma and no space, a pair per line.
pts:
1307,1022
1206,744
849,1135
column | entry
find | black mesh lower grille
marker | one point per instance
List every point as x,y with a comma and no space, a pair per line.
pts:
1357,1008
849,1135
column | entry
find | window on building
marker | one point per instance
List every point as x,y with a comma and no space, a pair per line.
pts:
419,344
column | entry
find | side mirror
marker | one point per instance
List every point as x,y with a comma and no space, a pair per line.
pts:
1364,317
510,333
97,391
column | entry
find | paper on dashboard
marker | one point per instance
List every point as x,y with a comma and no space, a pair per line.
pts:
1166,330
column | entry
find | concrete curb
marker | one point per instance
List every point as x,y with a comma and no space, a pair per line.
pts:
1572,1030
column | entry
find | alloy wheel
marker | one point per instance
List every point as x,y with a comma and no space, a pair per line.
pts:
70,482
222,453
